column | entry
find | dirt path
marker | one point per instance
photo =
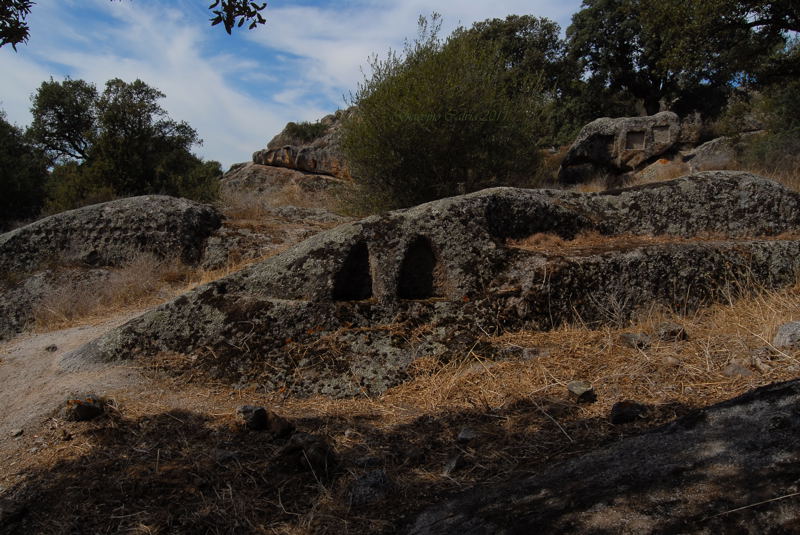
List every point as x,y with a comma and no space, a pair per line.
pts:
33,386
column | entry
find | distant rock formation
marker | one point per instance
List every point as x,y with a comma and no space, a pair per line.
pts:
336,314
618,145
321,155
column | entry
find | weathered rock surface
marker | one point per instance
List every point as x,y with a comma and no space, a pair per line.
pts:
732,467
618,145
322,155
256,178
107,234
335,314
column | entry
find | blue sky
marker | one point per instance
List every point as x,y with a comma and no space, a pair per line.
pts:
237,91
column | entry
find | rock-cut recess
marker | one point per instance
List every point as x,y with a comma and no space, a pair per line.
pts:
342,312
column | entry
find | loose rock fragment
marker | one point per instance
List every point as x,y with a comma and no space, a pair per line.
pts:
583,391
309,451
635,340
788,335
370,488
261,419
627,411
16,432
669,331
82,408
466,434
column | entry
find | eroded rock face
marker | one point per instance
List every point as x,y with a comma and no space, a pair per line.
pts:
322,155
107,234
256,178
618,145
349,309
700,474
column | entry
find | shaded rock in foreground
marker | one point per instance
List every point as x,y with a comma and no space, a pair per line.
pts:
338,313
722,469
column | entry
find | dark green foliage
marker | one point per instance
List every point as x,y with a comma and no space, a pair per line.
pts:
434,121
779,148
23,172
306,132
13,29
118,143
231,13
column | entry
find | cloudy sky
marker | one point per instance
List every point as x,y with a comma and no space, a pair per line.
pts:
237,91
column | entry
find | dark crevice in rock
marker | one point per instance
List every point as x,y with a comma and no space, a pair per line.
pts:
421,275
353,282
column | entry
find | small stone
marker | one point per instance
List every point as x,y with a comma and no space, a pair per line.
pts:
736,369
261,419
454,464
583,391
309,451
669,331
65,435
788,335
672,362
83,408
16,432
466,434
627,411
51,348
635,340
370,488
533,353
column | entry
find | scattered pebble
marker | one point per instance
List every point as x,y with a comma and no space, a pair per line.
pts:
16,432
83,408
627,411
670,331
466,434
736,369
370,488
51,348
788,335
635,340
583,391
672,362
261,419
454,464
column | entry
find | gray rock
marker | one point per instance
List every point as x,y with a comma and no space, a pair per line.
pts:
310,319
583,391
737,369
261,419
788,335
690,476
669,331
266,180
454,464
370,488
83,407
618,145
16,432
466,434
635,340
322,155
109,234
309,452
624,412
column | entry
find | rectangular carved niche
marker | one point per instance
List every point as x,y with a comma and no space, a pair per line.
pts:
661,134
634,140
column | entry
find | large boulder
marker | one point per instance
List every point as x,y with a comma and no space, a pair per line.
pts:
338,314
730,468
322,155
108,234
251,179
618,145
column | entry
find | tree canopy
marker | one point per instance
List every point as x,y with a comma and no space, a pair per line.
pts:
23,172
230,13
118,142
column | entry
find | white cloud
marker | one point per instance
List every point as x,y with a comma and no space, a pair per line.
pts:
236,91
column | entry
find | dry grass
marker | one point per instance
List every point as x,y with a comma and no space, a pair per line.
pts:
160,455
248,206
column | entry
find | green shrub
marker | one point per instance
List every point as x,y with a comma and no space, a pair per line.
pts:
434,121
306,132
779,148
23,172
